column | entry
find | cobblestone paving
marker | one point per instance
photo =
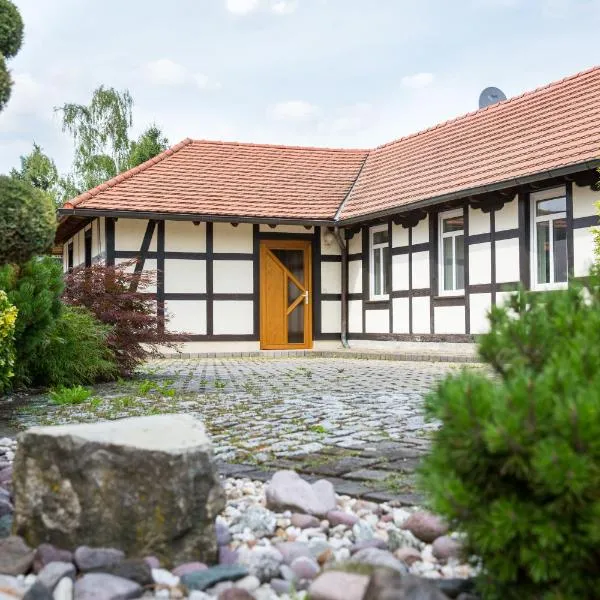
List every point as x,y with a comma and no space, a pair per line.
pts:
358,422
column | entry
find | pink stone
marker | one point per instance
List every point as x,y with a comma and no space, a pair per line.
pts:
425,526
304,521
339,517
408,555
187,568
445,547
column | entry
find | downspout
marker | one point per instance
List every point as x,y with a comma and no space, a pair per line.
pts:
344,312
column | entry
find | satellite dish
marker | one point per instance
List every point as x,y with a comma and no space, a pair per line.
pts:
490,96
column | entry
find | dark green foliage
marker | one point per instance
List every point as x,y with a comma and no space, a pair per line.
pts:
151,143
39,170
516,464
35,290
27,221
75,353
11,29
5,83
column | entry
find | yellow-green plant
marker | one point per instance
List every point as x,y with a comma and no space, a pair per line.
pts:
8,318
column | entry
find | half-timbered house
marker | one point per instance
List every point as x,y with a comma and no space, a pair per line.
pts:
272,247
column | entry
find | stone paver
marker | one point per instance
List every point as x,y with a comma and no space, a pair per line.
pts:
320,416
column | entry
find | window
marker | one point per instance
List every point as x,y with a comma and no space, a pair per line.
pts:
88,248
452,252
70,257
549,238
380,261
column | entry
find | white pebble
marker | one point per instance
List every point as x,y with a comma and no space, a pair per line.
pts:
164,577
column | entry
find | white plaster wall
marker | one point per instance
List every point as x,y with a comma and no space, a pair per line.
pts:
355,244
420,270
233,277
233,317
401,315
508,216
400,272
355,277
186,316
480,304
479,222
331,278
377,321
184,236
287,229
329,244
149,266
185,276
502,297
227,238
480,263
129,234
584,201
583,251
449,319
355,316
79,249
331,315
399,236
420,315
102,237
507,260
420,233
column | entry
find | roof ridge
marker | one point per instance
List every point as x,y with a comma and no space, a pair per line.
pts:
280,146
127,174
489,108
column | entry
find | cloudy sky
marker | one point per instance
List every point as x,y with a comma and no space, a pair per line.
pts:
351,73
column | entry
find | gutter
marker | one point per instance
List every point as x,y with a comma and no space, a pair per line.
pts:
344,312
464,193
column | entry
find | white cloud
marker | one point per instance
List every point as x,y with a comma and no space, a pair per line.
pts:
295,110
352,118
204,82
284,7
241,7
165,72
418,80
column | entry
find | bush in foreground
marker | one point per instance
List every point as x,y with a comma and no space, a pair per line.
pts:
516,463
27,220
120,298
8,317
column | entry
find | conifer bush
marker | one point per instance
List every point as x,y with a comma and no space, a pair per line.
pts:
516,462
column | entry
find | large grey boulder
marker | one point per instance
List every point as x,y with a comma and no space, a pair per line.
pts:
144,485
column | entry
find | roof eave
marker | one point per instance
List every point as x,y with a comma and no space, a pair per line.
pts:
493,187
168,216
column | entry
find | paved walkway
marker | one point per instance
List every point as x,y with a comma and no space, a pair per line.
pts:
358,422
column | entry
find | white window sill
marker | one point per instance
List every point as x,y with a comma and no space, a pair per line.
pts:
549,287
452,294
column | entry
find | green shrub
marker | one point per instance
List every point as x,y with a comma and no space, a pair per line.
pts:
27,219
5,83
76,351
35,290
516,463
11,29
70,395
8,317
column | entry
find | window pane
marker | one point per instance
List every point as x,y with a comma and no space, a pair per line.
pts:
380,237
459,245
386,270
448,259
543,251
548,207
296,325
453,224
377,272
559,232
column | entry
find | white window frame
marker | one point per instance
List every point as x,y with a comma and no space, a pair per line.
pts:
534,198
441,237
372,247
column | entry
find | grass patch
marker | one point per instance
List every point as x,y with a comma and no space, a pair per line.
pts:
70,395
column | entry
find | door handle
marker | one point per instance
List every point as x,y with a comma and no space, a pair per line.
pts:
306,297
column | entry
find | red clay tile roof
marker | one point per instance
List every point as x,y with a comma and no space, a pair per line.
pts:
549,128
232,179
540,131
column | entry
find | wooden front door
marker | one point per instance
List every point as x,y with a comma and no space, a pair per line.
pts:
285,296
